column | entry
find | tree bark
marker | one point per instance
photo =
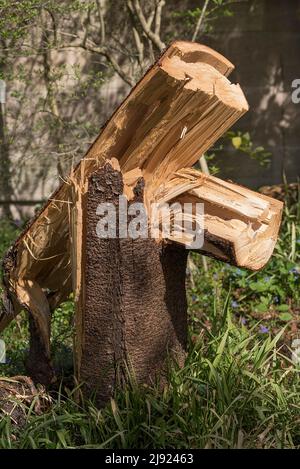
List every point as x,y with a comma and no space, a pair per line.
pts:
132,313
38,363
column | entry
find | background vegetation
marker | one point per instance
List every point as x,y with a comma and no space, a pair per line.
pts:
66,65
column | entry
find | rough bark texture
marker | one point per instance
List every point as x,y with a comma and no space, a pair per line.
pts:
38,363
134,312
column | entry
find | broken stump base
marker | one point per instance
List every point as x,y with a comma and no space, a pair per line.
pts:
38,363
132,310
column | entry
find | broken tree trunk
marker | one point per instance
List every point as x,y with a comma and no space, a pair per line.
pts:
133,311
129,293
240,225
131,303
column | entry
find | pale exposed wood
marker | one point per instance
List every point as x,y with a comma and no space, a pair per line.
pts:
193,52
241,226
199,107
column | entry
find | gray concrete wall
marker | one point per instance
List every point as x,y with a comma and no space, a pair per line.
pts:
263,40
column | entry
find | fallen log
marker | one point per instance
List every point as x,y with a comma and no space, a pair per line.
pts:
129,293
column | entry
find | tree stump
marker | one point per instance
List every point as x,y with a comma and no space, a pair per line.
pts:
133,312
130,292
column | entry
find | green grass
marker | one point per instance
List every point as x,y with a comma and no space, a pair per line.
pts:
236,390
239,387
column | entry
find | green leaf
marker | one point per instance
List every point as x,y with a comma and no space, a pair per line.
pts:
283,307
262,307
236,142
220,349
285,316
259,286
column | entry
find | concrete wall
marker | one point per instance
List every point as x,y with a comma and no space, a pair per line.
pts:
264,44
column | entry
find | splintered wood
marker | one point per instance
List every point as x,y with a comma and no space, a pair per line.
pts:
240,225
176,112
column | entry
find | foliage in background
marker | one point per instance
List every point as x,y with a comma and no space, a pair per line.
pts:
241,144
56,58
201,19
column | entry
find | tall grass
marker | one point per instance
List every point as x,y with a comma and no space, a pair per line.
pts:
238,388
235,391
